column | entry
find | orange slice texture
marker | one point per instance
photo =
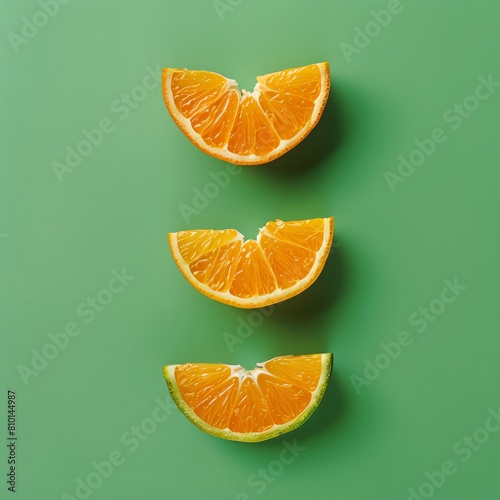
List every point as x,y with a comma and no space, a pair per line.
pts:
230,402
247,128
284,260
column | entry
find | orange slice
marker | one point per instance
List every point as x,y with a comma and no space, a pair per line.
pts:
230,402
284,260
247,128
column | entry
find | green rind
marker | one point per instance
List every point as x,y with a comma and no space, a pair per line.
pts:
254,437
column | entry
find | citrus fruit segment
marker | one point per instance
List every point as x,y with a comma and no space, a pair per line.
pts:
232,403
247,128
284,260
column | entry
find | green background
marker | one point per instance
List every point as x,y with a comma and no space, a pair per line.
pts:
62,238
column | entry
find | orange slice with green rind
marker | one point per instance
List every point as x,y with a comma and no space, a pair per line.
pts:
232,403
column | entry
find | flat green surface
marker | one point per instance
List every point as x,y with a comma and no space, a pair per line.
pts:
379,430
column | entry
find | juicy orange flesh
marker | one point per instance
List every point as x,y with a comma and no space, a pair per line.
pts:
195,244
216,120
306,233
195,90
289,262
254,275
304,82
303,371
250,413
217,269
286,113
252,132
284,254
244,403
254,124
208,389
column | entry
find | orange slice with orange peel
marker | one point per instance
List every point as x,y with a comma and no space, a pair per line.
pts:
284,259
247,128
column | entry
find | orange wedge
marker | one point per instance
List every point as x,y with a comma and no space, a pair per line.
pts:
232,403
284,260
247,128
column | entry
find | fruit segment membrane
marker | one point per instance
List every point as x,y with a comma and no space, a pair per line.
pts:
244,401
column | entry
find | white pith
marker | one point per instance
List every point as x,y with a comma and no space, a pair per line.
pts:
285,144
241,374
